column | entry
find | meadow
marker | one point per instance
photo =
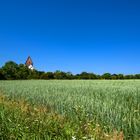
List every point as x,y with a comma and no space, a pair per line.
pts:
70,109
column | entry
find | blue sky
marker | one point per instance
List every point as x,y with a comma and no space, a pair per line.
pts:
72,35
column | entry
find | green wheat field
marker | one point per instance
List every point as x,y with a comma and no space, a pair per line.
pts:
70,109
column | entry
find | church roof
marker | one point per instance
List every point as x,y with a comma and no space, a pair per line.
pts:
29,61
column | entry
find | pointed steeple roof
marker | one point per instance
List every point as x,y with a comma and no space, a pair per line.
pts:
29,61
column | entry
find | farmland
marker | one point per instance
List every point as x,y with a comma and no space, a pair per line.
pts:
70,109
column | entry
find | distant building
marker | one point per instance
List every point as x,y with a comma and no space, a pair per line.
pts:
29,63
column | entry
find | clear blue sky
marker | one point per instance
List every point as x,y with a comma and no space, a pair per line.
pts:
72,35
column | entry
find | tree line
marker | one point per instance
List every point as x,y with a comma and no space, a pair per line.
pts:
14,71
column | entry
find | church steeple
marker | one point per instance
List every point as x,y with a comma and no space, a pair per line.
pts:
29,63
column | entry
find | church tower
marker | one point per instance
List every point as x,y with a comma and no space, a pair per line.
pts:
29,63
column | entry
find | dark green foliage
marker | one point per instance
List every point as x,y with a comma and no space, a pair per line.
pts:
137,76
85,75
10,70
13,71
120,76
33,74
114,77
60,75
47,76
2,77
106,76
23,72
129,77
69,75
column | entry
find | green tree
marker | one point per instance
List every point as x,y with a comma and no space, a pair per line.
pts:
60,75
10,70
129,77
106,76
69,75
93,76
114,76
137,76
84,75
47,76
2,77
120,76
23,72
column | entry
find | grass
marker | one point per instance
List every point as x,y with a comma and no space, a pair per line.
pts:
70,109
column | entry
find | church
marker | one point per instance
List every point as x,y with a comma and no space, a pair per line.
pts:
29,63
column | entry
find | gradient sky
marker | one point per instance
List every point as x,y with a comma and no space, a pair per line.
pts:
72,35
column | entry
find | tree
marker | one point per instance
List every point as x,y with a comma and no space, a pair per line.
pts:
13,71
33,74
2,77
10,70
23,72
120,76
114,76
40,73
69,75
106,76
129,77
93,76
60,75
47,76
84,75
137,76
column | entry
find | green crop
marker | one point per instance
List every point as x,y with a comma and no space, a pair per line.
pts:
112,105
